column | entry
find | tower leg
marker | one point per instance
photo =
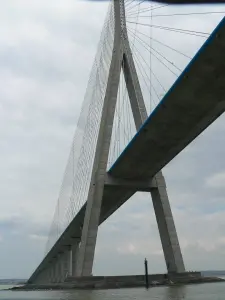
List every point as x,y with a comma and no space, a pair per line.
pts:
171,248
164,217
85,255
166,226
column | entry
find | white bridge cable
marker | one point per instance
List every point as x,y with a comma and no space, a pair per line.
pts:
74,188
93,125
123,126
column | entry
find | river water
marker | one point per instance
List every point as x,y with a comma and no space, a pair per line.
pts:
209,291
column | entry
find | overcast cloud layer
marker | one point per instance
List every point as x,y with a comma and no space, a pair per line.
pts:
46,54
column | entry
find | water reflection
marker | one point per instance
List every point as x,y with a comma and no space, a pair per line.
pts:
168,293
78,295
176,292
194,292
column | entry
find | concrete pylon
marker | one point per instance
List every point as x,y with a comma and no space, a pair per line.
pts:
58,268
74,254
122,59
54,273
166,226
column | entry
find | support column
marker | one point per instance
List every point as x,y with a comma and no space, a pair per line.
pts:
64,263
58,268
50,273
70,261
167,229
74,254
63,269
53,279
39,278
45,276
164,217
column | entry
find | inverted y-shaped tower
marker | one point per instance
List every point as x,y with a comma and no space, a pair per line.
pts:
122,60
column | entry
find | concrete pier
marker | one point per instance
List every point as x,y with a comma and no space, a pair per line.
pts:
131,281
74,254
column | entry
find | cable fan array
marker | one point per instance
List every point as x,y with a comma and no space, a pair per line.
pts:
74,188
163,40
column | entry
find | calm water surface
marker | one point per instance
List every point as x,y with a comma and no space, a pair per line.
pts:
211,291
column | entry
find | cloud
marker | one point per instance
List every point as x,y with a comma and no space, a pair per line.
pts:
24,225
27,237
216,180
38,237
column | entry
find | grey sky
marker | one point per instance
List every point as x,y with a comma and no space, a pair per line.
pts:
46,53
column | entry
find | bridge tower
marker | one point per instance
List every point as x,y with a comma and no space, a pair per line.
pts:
122,60
72,240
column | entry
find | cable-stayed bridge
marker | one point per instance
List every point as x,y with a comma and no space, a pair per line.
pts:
123,138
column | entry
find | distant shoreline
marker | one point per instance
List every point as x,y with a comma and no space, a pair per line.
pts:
12,282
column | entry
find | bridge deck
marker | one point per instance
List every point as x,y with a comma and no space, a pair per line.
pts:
195,100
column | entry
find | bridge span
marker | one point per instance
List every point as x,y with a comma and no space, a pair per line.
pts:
195,100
